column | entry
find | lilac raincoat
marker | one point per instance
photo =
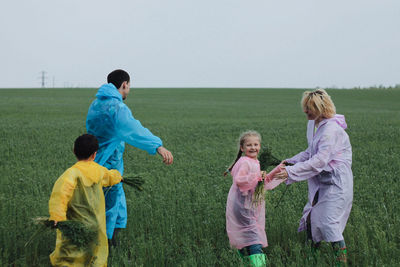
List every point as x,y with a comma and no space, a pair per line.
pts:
245,221
326,164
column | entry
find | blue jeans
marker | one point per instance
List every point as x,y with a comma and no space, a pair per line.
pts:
251,250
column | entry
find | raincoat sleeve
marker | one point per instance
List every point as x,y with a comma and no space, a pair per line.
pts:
317,163
111,177
269,181
302,156
62,193
244,179
132,132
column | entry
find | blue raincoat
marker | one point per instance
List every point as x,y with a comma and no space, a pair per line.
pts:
111,121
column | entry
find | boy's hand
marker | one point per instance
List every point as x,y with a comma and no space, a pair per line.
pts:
167,156
55,223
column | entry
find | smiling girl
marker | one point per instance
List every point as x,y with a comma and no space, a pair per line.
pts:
245,220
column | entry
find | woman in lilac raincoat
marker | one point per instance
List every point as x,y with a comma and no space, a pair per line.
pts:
326,165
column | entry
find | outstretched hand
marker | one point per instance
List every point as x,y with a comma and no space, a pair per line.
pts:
282,174
166,154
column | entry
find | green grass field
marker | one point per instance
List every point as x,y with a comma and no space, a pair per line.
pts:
179,218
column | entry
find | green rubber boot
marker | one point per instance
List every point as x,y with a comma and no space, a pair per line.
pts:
341,257
257,260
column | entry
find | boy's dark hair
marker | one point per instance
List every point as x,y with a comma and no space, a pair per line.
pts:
117,77
85,145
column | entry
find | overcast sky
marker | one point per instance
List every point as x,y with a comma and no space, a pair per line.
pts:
203,43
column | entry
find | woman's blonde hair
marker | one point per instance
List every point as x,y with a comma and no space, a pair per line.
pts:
242,140
319,103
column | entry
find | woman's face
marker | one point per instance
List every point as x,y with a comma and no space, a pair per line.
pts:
310,115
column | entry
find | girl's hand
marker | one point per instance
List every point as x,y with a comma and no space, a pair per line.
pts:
282,174
263,175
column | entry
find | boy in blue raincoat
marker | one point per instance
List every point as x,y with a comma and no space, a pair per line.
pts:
111,121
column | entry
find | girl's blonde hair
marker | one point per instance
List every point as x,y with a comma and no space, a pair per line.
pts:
319,103
242,140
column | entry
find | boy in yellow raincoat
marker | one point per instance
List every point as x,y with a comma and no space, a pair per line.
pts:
78,195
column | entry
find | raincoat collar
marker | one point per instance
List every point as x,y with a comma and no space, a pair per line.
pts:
248,158
108,90
338,118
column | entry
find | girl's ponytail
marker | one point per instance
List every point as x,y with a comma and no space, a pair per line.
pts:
233,164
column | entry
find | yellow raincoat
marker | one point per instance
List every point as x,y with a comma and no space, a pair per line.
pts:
78,195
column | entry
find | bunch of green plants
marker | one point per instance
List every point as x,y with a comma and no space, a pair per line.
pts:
134,180
78,233
259,193
266,160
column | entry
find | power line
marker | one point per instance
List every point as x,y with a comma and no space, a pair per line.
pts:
43,78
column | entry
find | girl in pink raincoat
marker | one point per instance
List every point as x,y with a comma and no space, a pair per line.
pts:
326,165
245,218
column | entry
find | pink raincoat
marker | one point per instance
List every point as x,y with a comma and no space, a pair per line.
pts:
245,221
326,165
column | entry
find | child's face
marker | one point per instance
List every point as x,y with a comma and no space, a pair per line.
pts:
251,147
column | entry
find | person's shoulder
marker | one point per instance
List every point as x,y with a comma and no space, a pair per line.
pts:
98,166
69,175
242,159
245,161
116,104
103,170
331,126
122,105
112,106
88,166
72,170
331,131
123,110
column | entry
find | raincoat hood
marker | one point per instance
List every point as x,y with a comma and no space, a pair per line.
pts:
108,90
90,170
338,118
